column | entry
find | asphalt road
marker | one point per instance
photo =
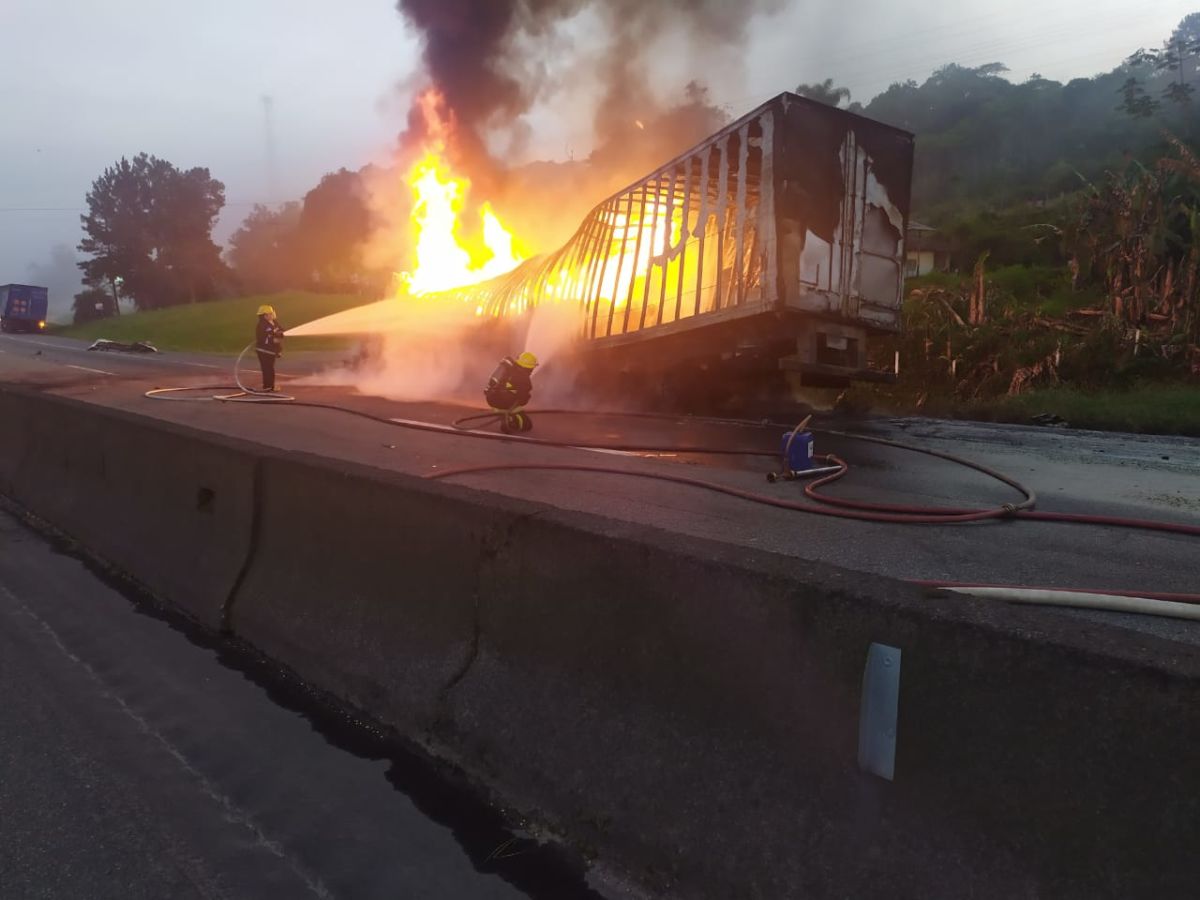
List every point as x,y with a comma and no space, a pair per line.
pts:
75,357
141,760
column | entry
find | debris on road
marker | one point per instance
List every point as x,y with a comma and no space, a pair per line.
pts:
1050,420
121,347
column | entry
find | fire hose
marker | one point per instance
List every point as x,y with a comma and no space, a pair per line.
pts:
1172,605
241,393
1176,605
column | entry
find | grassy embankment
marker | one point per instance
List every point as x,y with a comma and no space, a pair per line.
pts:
223,326
1147,408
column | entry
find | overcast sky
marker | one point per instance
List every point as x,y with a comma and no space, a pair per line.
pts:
84,82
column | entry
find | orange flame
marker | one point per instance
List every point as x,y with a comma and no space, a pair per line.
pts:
641,247
657,236
448,257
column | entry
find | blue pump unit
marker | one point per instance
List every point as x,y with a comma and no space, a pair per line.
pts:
797,451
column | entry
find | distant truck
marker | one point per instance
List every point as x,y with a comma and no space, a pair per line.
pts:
24,307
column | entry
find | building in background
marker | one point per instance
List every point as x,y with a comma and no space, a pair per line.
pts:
927,251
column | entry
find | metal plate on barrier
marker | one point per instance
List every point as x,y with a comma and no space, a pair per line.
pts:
879,713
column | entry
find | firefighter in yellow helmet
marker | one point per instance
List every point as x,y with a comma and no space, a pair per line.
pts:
268,343
510,389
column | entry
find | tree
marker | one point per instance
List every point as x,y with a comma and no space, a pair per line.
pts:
825,92
1138,235
1186,39
149,225
264,250
1173,68
192,203
1136,101
334,226
1179,59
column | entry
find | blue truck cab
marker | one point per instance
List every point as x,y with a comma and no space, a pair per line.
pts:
23,307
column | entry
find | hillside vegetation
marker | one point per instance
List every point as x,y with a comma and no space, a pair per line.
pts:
1071,218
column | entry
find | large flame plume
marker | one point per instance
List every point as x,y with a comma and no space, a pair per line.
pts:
452,244
448,254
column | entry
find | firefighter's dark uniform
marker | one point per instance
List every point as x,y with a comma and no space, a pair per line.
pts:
268,342
507,391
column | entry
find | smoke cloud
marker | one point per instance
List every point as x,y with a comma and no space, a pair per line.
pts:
60,275
418,352
494,59
634,70
415,352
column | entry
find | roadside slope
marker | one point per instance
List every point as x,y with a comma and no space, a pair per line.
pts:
222,326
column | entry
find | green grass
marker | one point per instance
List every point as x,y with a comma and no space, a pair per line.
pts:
1147,408
223,326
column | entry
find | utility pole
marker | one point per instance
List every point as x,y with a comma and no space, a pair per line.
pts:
272,163
116,283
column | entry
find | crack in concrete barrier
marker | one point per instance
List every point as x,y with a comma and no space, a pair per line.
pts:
256,519
494,544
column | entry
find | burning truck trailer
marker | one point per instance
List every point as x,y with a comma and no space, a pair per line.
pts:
775,246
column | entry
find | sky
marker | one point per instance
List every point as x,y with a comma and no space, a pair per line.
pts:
85,82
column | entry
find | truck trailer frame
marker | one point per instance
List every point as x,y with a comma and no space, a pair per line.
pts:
778,241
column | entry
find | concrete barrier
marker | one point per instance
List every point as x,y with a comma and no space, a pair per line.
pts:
15,415
154,500
367,583
694,709
686,708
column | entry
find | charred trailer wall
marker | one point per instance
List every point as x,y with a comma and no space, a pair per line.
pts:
691,244
843,193
843,196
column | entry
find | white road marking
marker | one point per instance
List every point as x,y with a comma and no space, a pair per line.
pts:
233,813
86,369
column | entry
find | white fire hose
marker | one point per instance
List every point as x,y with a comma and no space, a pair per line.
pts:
1144,606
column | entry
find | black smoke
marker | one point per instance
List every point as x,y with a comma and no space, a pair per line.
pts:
488,57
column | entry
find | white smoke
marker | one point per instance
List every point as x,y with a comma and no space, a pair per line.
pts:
427,351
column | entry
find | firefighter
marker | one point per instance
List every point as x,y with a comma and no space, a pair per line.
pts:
268,342
509,390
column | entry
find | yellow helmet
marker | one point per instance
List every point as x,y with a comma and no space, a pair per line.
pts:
527,360
266,310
